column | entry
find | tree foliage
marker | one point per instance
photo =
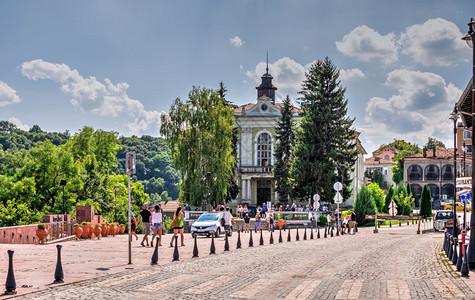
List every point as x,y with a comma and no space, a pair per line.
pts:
388,198
426,205
325,141
364,205
283,151
378,196
432,143
199,132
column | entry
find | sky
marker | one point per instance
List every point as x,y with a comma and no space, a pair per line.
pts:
118,65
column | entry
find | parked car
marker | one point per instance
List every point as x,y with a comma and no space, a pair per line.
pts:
459,207
208,224
441,217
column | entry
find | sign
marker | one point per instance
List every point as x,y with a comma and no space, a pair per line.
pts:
392,208
316,197
338,186
130,162
338,198
465,197
316,205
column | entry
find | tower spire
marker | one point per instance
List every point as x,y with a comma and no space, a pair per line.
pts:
267,61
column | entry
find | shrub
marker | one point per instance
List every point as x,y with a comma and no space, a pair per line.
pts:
167,224
405,204
378,196
426,205
322,220
389,197
364,205
41,226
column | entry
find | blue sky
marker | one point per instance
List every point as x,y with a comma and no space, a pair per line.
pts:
118,65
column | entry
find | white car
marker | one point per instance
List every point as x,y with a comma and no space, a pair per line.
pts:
208,224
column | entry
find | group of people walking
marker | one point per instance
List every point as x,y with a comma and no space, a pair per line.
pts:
346,224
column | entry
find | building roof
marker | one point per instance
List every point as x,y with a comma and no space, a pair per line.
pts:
393,149
376,161
440,153
465,105
249,106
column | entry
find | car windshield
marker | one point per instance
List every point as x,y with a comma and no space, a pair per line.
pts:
444,215
208,217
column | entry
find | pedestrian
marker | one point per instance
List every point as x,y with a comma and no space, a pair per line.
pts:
157,225
258,222
345,228
245,210
271,222
313,219
178,222
352,222
228,218
330,219
338,219
247,222
145,216
133,225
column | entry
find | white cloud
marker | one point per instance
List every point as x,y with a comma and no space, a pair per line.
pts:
236,42
91,95
19,124
419,109
365,44
288,75
437,42
7,95
351,74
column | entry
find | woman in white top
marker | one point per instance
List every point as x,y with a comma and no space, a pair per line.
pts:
157,224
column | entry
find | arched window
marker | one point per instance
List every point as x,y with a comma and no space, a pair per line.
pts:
414,172
264,150
434,191
448,189
416,190
447,172
386,157
431,172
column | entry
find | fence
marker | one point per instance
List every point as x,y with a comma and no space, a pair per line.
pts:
26,234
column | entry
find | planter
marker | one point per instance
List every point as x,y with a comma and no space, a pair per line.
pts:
97,231
112,230
281,223
105,230
122,228
41,234
77,230
85,231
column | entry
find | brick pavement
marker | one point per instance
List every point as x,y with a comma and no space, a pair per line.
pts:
394,264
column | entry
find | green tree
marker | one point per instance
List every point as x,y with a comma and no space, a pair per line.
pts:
405,204
388,198
283,151
199,133
426,205
432,143
364,205
324,141
378,196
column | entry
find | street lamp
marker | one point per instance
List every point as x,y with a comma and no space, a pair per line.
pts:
470,38
63,184
454,117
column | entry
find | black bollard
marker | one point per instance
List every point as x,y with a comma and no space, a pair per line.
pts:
155,254
176,255
399,223
338,231
238,245
325,234
390,225
331,232
356,227
226,242
212,248
318,232
379,224
288,236
297,237
280,234
449,255
271,240
305,234
58,273
464,270
195,248
251,243
10,285
407,222
445,243
460,257
261,240
454,253
311,234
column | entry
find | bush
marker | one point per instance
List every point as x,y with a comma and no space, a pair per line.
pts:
426,205
389,197
322,220
405,204
167,224
378,196
364,205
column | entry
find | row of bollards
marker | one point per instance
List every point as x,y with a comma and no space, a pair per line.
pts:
176,256
10,285
459,260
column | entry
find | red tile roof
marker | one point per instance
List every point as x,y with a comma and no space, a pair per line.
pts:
374,161
440,153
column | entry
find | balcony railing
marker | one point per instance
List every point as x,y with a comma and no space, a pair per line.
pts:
255,169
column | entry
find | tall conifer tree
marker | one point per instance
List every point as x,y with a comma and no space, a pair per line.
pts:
285,141
325,140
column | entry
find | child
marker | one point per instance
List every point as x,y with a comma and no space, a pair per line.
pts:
133,225
271,222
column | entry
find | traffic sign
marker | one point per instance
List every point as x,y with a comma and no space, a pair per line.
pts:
338,198
316,197
465,197
338,186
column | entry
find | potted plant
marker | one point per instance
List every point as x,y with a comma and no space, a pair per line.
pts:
97,230
41,232
77,230
122,228
85,230
105,229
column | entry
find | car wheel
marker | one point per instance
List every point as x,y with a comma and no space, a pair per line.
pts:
218,232
193,235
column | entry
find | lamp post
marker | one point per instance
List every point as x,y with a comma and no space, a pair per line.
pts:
63,184
454,117
470,39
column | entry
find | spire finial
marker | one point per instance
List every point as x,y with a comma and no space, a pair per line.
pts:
267,60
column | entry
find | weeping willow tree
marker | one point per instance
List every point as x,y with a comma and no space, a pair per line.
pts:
199,132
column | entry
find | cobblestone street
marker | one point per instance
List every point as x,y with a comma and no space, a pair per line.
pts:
394,264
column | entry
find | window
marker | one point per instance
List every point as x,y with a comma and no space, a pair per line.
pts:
466,135
432,172
447,173
386,157
415,172
264,149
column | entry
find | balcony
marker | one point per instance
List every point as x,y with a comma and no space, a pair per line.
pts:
255,169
